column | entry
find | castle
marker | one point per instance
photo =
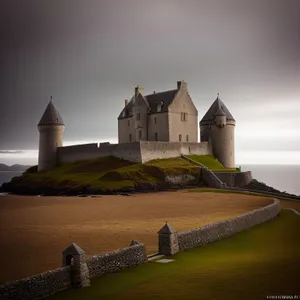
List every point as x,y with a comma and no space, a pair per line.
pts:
155,126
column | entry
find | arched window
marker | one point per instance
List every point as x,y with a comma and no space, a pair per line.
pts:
187,137
156,136
130,137
180,137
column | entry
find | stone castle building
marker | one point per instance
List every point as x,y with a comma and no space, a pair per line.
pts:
159,125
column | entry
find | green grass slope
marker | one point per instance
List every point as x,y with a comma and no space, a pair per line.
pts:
211,163
254,264
104,174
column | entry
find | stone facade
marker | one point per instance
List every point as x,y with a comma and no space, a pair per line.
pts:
169,116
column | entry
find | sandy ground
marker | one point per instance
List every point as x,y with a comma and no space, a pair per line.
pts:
35,230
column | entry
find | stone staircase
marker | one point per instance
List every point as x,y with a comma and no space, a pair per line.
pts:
207,175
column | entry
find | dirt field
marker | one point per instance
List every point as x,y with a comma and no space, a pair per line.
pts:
35,230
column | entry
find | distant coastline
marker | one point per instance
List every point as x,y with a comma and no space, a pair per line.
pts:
13,168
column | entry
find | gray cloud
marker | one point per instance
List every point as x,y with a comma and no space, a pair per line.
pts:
90,54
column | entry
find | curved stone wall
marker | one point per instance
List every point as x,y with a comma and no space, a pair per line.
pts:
37,287
216,231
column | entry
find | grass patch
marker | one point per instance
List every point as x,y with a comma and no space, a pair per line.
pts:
106,173
211,163
254,264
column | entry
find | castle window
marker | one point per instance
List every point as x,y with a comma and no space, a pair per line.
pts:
158,108
140,134
154,120
183,117
130,137
138,116
128,122
156,136
180,137
187,137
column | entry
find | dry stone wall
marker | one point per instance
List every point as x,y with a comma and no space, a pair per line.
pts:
37,287
216,231
49,283
117,260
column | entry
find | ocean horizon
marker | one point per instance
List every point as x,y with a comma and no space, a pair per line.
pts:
281,177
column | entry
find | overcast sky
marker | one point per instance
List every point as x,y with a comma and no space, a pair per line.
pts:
90,54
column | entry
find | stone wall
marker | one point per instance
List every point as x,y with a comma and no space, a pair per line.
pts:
38,286
49,283
127,151
135,151
117,260
161,150
211,179
207,175
216,231
235,179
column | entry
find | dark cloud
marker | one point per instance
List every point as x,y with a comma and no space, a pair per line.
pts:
90,54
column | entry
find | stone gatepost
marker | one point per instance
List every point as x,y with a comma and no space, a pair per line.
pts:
167,240
74,257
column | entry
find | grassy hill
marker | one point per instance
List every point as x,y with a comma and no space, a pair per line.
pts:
210,162
108,174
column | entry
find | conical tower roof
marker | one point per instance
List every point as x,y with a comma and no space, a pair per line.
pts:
51,116
218,108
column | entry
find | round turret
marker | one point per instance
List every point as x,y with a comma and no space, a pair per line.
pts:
220,117
51,128
217,128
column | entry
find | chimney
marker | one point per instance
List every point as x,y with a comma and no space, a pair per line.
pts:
154,92
180,83
136,90
126,102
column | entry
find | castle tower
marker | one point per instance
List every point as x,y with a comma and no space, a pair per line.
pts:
217,127
51,128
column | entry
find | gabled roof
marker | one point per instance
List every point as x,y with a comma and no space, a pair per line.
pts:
167,229
73,249
218,108
163,98
153,100
51,116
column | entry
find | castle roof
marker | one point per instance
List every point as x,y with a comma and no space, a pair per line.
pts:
51,116
153,100
218,108
73,249
166,229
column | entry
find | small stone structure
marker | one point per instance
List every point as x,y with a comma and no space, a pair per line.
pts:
74,256
168,240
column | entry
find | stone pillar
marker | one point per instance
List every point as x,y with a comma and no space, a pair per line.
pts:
74,257
167,240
